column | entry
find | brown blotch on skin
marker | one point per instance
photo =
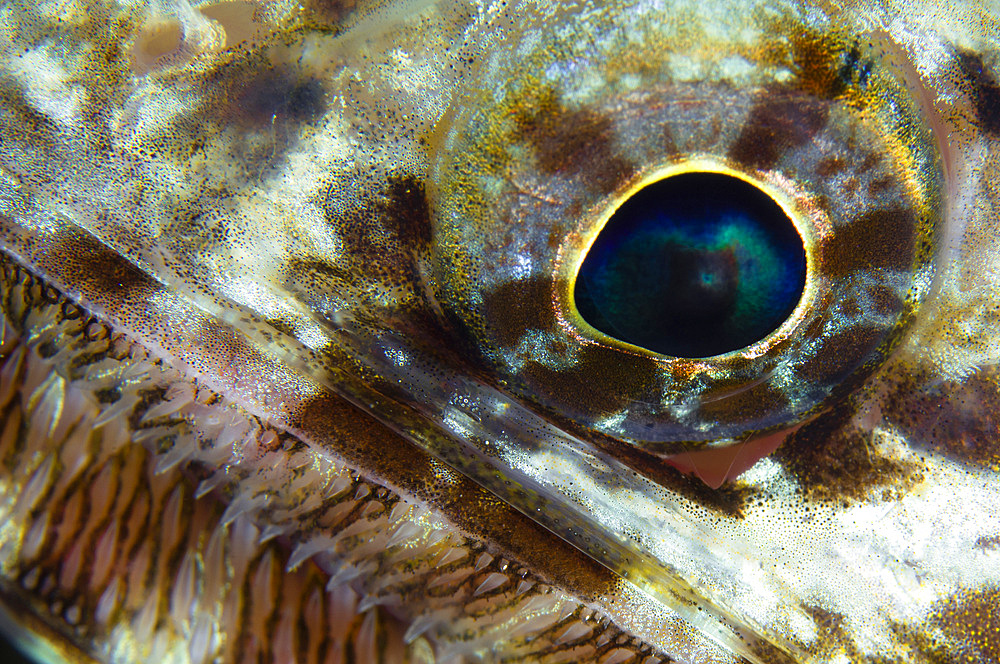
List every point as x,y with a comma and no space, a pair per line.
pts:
744,404
830,166
91,266
971,620
384,233
332,11
517,307
880,239
406,212
982,88
832,460
573,142
819,64
781,119
603,380
988,543
951,418
277,94
841,354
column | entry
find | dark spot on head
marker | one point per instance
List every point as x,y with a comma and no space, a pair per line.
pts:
831,166
406,211
516,307
570,142
854,68
332,11
948,417
841,354
971,620
780,120
93,267
983,89
601,382
880,239
833,460
742,405
384,225
277,94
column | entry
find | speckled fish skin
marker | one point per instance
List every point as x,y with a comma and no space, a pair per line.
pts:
290,368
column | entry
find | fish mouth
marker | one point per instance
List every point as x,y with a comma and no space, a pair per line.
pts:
145,514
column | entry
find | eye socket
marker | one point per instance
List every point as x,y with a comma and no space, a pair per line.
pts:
693,265
533,174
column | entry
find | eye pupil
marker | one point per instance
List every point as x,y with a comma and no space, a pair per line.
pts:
694,265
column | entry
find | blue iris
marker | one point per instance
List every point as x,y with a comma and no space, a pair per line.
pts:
694,265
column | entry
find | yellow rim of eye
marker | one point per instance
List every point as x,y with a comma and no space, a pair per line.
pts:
808,220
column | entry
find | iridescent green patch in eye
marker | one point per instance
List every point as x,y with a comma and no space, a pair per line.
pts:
695,265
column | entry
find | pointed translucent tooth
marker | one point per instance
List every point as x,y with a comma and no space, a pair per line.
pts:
418,627
483,560
36,487
209,484
491,582
271,531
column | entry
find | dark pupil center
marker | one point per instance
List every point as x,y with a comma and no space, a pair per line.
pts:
695,265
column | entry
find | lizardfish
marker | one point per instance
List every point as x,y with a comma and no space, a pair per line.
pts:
499,330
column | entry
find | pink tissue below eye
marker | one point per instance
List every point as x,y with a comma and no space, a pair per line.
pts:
715,467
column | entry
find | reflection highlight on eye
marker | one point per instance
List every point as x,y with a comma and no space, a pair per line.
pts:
694,265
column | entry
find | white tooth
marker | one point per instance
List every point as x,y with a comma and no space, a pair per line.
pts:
305,550
451,555
35,537
172,518
491,582
617,656
365,640
108,602
46,406
36,487
483,560
104,554
271,531
116,410
201,640
75,453
214,574
209,484
182,594
71,564
419,626
398,510
159,648
574,632
178,395
176,455
145,620
9,383
283,640
341,483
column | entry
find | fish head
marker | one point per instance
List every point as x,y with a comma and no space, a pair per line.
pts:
460,314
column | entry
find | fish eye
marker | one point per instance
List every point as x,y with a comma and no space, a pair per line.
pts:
685,259
693,265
